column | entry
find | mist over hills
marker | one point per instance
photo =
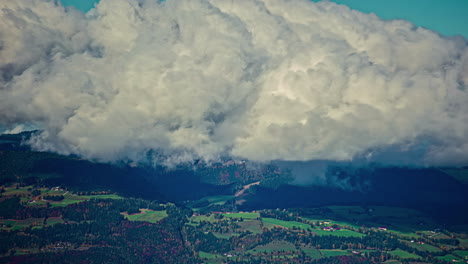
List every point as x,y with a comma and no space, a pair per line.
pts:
427,189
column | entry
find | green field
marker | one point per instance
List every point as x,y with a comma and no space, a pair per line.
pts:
54,220
403,254
147,216
343,224
253,226
225,236
22,191
406,235
286,224
449,258
339,233
392,261
331,222
72,199
200,218
463,242
273,246
312,252
424,247
243,215
211,258
51,191
25,193
461,253
20,224
333,253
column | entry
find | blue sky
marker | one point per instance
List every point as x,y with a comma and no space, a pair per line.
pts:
83,5
448,17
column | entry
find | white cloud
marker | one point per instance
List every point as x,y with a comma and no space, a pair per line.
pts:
261,80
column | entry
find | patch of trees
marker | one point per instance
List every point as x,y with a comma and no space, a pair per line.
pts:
206,241
9,206
107,237
55,198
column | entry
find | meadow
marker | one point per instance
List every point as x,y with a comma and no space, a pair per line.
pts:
271,222
403,254
243,215
333,253
273,246
450,258
146,215
339,233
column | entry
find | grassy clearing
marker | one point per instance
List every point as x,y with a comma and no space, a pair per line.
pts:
312,252
26,251
424,247
225,236
461,253
338,233
13,225
12,191
200,218
273,246
103,196
392,261
253,226
211,258
69,199
334,253
441,236
72,199
331,222
25,193
243,215
54,220
286,224
433,235
408,235
449,258
403,254
51,192
340,223
463,242
147,216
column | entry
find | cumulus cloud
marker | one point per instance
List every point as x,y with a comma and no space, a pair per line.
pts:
262,80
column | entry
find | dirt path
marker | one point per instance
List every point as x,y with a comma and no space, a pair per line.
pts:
245,188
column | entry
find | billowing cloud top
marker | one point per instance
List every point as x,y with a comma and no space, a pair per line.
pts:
256,79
